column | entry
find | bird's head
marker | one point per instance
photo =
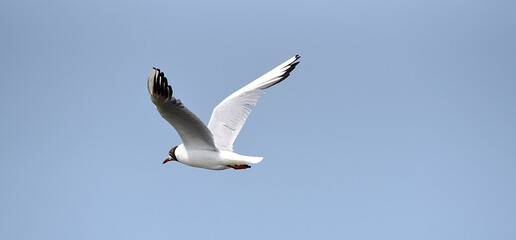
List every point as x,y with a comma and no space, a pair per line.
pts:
171,155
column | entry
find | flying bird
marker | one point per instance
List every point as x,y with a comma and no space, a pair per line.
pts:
211,146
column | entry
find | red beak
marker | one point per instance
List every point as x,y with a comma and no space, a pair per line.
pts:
166,160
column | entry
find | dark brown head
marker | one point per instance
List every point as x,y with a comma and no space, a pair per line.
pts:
171,155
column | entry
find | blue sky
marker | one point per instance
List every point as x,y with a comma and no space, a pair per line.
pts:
399,122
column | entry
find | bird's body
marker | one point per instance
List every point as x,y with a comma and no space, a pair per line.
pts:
214,160
211,146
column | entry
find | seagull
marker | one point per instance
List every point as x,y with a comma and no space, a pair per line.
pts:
211,147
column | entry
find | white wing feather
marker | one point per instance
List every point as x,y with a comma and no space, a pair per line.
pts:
229,116
193,132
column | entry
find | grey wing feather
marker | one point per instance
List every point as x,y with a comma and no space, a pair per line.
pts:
191,130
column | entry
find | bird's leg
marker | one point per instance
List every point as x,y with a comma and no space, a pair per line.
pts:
239,166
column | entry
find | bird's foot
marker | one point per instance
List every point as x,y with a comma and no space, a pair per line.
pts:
239,166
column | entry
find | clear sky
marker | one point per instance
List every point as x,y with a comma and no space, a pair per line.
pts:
399,122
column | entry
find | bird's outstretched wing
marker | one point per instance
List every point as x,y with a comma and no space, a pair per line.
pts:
229,116
193,132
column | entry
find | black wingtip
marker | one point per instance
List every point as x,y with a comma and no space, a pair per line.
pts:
169,92
290,67
293,64
161,86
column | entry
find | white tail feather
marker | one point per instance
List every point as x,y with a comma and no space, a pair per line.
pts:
233,158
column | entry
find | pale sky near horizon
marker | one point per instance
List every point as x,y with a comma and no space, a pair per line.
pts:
399,122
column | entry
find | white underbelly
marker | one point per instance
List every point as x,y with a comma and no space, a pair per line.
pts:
203,159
